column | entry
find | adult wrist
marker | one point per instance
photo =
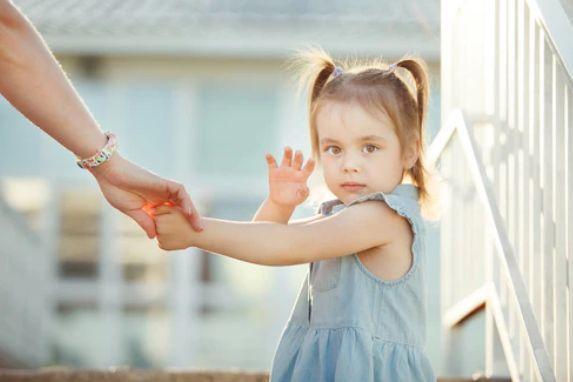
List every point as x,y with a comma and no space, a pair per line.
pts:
88,144
102,155
104,168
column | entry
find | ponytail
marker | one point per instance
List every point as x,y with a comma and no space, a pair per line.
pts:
314,68
419,172
418,70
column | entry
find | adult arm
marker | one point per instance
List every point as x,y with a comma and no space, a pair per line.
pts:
34,83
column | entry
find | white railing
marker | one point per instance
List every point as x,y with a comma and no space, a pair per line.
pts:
510,274
557,27
507,64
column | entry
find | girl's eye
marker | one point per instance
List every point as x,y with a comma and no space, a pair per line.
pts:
370,149
334,150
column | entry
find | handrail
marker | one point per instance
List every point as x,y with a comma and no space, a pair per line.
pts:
457,123
559,29
466,307
475,302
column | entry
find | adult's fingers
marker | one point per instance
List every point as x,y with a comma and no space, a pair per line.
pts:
154,189
298,159
180,197
161,190
194,218
287,157
272,163
144,221
196,222
308,167
162,210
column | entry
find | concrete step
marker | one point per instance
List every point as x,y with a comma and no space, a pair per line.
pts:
477,378
129,375
137,375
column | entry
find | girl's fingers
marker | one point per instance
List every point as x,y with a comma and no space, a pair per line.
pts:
308,167
298,159
287,157
271,161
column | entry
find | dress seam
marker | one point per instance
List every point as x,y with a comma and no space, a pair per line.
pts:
374,337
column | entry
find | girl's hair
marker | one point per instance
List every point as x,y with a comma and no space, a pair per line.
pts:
379,88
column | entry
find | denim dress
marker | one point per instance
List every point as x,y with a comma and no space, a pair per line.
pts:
349,325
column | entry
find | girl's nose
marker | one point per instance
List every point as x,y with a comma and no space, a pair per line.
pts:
350,165
351,169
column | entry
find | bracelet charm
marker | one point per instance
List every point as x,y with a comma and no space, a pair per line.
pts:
101,156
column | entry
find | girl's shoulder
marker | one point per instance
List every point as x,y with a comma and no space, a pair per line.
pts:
396,259
403,199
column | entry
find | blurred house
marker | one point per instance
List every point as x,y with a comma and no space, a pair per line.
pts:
197,91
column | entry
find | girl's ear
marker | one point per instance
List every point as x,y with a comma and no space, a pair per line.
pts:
410,155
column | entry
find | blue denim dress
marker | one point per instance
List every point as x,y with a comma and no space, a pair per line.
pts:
349,325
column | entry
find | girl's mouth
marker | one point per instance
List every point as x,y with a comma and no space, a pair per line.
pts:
352,186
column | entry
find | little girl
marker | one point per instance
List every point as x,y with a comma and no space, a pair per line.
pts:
360,314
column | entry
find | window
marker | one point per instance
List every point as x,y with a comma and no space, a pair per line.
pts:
234,125
149,119
141,258
79,234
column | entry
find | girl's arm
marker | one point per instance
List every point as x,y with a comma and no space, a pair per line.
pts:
354,229
270,211
306,220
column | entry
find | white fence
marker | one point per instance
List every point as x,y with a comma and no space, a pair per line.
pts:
507,65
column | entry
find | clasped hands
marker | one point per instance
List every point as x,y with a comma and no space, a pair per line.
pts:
287,188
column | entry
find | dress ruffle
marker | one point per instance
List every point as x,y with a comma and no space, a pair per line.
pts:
346,354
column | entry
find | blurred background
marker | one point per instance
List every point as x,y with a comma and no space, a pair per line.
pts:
197,91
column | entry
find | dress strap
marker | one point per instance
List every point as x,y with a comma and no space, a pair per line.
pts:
405,205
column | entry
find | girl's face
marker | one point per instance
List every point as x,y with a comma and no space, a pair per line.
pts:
359,153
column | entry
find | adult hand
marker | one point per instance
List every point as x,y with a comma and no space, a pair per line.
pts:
135,191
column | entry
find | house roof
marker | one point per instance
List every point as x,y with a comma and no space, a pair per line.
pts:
239,27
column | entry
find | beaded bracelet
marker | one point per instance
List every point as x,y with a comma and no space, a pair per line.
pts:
101,156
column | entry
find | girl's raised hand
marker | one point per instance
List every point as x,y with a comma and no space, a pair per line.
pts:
287,182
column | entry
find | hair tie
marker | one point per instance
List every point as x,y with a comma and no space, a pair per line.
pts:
337,71
391,68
